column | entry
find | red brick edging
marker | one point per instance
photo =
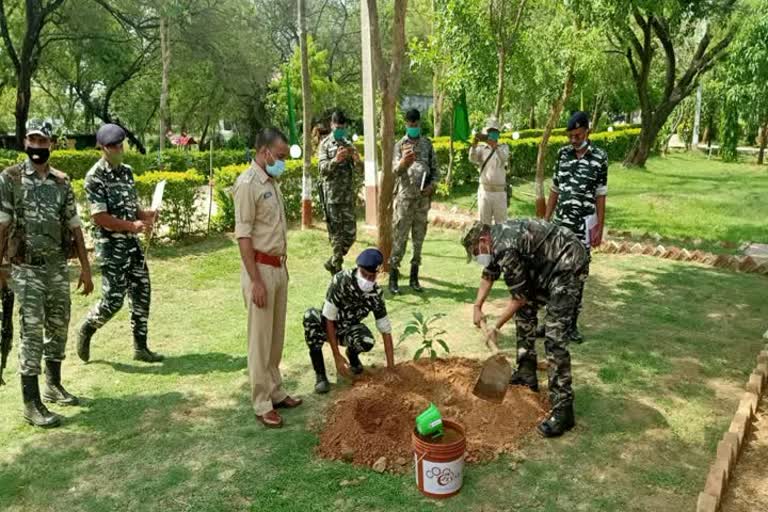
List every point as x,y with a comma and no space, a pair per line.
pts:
735,440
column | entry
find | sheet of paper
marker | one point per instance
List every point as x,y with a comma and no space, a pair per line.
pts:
590,223
157,197
423,180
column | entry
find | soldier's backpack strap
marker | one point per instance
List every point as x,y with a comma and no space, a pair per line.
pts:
482,168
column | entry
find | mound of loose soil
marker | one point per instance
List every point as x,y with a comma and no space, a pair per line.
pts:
375,417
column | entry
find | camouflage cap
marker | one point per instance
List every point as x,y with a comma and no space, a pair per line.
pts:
471,236
37,127
110,134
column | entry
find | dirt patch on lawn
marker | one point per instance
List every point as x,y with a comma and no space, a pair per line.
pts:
375,417
748,490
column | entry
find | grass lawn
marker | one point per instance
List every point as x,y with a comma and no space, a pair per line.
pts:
679,196
670,347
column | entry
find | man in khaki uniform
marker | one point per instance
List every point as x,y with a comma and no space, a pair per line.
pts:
491,159
260,228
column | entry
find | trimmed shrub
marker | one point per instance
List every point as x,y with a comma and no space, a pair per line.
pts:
179,212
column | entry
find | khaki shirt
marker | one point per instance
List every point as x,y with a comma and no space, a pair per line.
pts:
495,172
260,211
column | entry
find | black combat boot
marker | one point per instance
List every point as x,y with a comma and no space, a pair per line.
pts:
414,282
142,353
34,411
560,421
322,386
525,375
84,341
394,276
573,335
54,391
354,362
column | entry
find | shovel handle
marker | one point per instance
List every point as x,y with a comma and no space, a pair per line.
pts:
491,344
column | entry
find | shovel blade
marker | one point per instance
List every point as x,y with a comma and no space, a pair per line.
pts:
494,379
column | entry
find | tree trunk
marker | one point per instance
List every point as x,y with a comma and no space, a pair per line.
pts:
554,115
450,152
597,111
386,192
23,95
763,143
437,106
306,100
165,57
640,152
500,84
532,118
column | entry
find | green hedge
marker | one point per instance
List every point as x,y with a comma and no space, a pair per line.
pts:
523,153
179,212
290,186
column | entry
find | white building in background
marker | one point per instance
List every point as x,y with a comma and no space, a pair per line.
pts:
417,101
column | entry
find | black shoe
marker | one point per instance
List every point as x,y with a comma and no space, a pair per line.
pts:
322,386
34,411
560,421
354,362
142,353
414,282
394,276
147,356
575,336
521,379
54,391
540,331
84,336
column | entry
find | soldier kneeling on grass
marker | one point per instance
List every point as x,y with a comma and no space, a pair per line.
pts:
351,296
542,263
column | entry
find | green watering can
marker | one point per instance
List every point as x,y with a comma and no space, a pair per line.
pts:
430,423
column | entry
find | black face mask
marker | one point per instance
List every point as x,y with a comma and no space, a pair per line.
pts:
39,155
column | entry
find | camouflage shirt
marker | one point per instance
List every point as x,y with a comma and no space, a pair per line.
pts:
347,305
530,253
579,181
338,177
112,191
41,210
423,170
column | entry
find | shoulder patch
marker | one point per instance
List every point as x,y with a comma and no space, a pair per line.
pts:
59,176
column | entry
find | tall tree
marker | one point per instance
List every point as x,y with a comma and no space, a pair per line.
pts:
306,100
389,76
746,72
640,28
25,54
500,14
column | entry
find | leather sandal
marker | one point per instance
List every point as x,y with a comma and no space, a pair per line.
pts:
271,419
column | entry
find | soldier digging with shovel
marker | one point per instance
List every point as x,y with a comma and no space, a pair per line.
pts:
542,264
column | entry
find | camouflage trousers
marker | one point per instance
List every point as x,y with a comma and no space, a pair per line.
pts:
42,293
356,337
342,231
410,217
561,305
123,271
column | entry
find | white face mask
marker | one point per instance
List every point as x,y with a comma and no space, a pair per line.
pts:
483,260
364,284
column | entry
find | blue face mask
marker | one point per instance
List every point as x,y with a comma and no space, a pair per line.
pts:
493,135
413,132
340,133
277,168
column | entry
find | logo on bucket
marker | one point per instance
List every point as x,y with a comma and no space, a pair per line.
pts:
442,477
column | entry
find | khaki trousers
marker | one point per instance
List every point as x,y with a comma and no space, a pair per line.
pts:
266,334
492,206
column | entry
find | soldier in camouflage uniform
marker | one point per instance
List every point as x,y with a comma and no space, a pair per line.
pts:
351,296
39,222
118,221
338,163
577,197
416,176
542,263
